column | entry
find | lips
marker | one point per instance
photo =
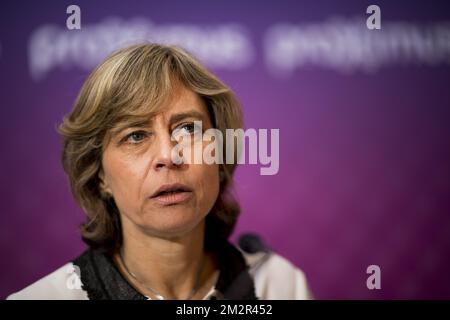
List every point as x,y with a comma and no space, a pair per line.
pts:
170,194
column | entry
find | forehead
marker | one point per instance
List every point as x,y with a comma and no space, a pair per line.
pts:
181,103
181,100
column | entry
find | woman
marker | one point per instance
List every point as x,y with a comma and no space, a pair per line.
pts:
156,228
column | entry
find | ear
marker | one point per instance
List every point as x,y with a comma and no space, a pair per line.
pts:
105,190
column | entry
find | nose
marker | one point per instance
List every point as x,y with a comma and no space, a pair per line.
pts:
164,146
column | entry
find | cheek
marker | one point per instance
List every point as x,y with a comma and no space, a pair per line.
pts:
208,182
123,176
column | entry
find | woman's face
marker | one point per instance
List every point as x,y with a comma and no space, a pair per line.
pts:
137,165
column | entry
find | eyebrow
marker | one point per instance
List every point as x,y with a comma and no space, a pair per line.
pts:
188,114
123,125
142,123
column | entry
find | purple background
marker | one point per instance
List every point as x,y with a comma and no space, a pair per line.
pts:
364,158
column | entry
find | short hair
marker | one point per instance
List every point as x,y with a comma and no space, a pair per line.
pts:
133,83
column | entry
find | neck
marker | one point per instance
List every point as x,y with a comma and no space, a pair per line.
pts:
170,266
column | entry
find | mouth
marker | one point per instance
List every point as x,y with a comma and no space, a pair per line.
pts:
170,194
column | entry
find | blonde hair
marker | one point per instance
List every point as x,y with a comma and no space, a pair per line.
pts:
132,84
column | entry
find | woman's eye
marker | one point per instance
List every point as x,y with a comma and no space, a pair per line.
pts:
136,136
186,129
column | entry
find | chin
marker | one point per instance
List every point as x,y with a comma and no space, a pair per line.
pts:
172,223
